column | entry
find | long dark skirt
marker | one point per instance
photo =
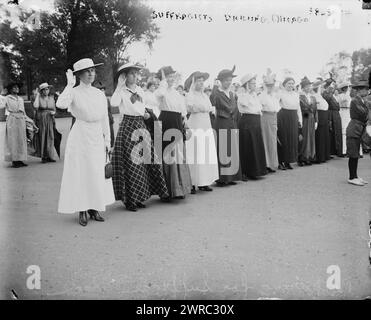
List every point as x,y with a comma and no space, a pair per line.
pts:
134,181
252,153
177,173
227,146
336,135
44,139
322,137
287,134
308,145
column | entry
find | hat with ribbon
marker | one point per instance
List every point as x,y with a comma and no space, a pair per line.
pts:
84,64
225,73
195,75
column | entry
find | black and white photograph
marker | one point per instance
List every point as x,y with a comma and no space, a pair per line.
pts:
185,150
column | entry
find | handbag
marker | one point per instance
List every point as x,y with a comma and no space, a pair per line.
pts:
108,169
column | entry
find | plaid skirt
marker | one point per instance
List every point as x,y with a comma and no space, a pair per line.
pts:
134,181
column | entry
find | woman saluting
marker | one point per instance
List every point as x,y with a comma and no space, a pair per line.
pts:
84,187
135,176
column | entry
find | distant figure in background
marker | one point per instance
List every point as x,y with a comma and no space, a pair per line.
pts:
180,89
150,99
336,136
355,130
15,133
322,132
308,108
44,105
101,87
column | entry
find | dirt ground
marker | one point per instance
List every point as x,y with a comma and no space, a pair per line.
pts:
273,238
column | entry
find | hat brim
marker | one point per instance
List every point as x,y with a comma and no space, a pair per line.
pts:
49,86
93,66
188,82
226,76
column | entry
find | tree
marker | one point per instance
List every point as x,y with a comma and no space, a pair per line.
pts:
362,63
340,66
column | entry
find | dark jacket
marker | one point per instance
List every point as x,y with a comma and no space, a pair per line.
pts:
226,107
308,107
332,102
359,117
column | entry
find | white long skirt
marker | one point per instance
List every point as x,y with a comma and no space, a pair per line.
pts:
84,185
345,119
201,150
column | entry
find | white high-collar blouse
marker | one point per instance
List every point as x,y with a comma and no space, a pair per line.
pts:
270,101
170,99
248,102
88,104
198,102
321,102
289,100
121,99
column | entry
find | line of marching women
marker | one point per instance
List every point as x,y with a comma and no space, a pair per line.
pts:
167,145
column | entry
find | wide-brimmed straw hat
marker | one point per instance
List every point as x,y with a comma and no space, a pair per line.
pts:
196,75
247,77
127,66
44,86
84,64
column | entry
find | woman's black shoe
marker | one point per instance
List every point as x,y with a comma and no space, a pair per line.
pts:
15,164
220,183
281,167
132,208
232,183
301,164
193,191
288,166
140,205
94,214
205,188
22,164
270,170
180,197
308,163
244,178
50,160
44,160
83,218
165,199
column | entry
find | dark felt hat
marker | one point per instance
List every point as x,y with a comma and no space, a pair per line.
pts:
167,70
361,83
225,73
196,75
10,85
304,82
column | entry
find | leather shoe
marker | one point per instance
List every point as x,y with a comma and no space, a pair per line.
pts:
140,205
83,218
205,188
94,214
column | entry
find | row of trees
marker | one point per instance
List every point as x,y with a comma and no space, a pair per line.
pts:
100,29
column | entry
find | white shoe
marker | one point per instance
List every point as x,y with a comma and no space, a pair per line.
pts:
356,182
363,181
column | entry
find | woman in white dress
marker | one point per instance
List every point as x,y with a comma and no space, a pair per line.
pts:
201,150
344,101
84,187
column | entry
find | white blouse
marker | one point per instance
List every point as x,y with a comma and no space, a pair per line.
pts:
344,100
270,102
170,99
289,100
249,103
198,102
88,104
150,100
121,99
321,102
14,105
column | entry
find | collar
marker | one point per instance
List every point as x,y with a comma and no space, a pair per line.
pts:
84,85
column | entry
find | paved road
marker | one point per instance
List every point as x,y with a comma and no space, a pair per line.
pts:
270,238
